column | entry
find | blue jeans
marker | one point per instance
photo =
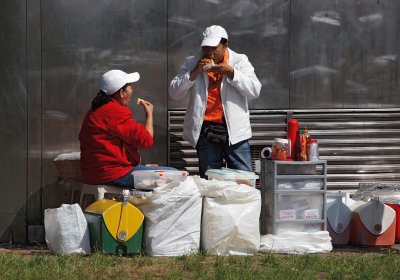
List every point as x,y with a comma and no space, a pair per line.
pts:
127,181
211,155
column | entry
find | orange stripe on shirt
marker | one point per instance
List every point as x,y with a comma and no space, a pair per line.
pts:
214,111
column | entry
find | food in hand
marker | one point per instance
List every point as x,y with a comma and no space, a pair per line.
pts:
209,65
139,100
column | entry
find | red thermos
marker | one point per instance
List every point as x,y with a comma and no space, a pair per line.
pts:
292,128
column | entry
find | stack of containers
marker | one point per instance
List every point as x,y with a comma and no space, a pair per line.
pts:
293,196
297,147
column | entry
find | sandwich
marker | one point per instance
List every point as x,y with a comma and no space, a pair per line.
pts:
209,65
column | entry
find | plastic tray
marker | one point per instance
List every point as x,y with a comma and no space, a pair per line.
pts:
233,175
151,179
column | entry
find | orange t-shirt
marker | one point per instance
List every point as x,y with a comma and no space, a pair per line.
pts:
214,111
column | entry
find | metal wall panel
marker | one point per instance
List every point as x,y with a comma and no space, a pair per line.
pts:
34,129
13,227
257,28
82,40
344,54
13,120
360,145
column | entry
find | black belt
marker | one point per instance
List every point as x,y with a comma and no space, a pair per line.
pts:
215,132
208,123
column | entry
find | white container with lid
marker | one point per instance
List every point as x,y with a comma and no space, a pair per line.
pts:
151,179
233,175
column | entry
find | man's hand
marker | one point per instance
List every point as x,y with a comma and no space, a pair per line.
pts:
224,69
199,68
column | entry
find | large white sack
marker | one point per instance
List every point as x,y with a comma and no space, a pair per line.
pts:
66,230
293,242
231,218
172,219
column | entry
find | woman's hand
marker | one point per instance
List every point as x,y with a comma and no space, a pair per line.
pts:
147,106
148,109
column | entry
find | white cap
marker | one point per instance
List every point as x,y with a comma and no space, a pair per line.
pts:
114,80
213,35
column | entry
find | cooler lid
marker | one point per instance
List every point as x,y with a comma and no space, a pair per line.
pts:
121,220
338,215
376,216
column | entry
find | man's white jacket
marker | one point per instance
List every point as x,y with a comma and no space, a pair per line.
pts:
234,95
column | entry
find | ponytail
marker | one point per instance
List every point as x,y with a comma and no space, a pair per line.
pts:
101,99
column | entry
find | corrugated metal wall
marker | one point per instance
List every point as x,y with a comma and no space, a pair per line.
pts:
359,145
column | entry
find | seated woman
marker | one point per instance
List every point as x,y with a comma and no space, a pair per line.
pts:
110,138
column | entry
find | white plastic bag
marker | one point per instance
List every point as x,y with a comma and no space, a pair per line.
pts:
231,214
66,230
293,242
172,219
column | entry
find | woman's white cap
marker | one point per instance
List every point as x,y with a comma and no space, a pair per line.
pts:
213,35
114,80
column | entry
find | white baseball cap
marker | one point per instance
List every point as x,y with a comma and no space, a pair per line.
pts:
213,35
114,80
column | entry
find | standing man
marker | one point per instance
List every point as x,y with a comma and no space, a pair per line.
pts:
219,82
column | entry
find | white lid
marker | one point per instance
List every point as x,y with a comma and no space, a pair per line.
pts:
160,171
281,140
232,174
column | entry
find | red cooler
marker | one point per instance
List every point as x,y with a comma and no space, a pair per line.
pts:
396,208
373,224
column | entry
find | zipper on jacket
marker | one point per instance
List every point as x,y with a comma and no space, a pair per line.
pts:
205,105
223,108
